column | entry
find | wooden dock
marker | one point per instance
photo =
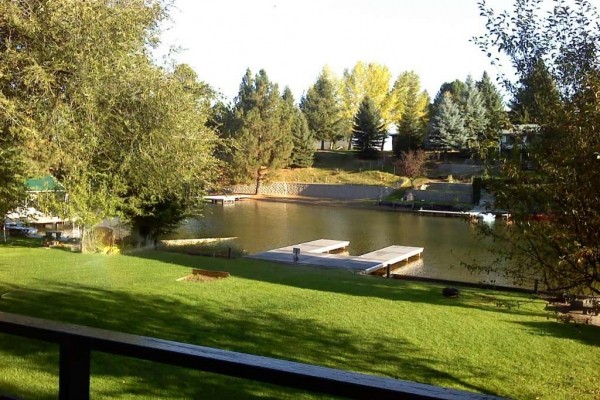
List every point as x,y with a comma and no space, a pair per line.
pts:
319,253
227,199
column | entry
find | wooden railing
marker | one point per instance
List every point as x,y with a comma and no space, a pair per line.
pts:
77,342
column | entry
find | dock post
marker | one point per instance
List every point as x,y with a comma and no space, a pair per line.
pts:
388,270
296,254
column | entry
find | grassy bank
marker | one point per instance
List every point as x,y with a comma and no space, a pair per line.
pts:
393,328
341,167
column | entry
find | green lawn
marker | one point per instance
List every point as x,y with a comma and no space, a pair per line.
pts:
333,318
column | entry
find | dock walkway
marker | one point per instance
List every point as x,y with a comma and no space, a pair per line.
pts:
227,199
317,253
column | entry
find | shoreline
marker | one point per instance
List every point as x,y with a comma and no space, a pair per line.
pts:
364,204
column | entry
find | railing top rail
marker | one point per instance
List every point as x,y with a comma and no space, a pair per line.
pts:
265,369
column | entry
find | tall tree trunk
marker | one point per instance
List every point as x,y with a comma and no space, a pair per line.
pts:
257,182
322,144
350,142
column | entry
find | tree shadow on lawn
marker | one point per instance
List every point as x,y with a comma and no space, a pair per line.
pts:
345,282
586,334
254,330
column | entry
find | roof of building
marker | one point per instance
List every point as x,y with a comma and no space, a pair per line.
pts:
44,184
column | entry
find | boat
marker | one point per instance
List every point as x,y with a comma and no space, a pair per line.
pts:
487,217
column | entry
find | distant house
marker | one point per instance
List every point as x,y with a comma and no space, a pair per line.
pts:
518,135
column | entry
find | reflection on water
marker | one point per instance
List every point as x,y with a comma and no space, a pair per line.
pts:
261,225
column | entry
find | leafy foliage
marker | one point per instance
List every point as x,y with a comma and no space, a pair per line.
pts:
555,207
412,164
119,133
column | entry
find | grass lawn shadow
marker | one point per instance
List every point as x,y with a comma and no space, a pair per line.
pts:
345,282
586,334
214,324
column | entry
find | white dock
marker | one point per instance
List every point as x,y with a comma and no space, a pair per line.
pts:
391,255
319,246
227,199
318,253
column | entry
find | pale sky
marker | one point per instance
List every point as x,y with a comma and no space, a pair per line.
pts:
293,40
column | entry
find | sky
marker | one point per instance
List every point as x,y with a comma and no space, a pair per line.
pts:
293,40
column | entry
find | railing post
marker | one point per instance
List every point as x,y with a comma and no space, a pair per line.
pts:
74,373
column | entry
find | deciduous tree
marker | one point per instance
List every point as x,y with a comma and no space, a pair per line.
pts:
412,164
563,249
372,80
82,96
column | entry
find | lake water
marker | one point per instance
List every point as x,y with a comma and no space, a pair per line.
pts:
263,225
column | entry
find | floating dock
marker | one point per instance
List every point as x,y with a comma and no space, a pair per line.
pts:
226,199
321,253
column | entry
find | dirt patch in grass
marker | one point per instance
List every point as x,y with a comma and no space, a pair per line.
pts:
204,275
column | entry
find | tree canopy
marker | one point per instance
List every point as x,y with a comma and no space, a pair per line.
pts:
261,129
555,206
322,108
80,94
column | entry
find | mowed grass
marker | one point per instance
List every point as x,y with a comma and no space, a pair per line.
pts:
333,318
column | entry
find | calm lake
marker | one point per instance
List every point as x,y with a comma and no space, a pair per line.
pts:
262,225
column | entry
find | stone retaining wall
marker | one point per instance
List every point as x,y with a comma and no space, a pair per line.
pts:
451,187
330,191
437,196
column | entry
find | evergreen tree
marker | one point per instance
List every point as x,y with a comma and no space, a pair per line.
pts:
322,109
371,80
456,88
303,139
496,115
368,130
260,128
304,142
475,116
537,99
412,106
448,126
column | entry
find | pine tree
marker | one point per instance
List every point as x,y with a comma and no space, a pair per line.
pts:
368,130
322,109
496,115
475,118
304,142
412,107
537,98
261,129
367,79
448,126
